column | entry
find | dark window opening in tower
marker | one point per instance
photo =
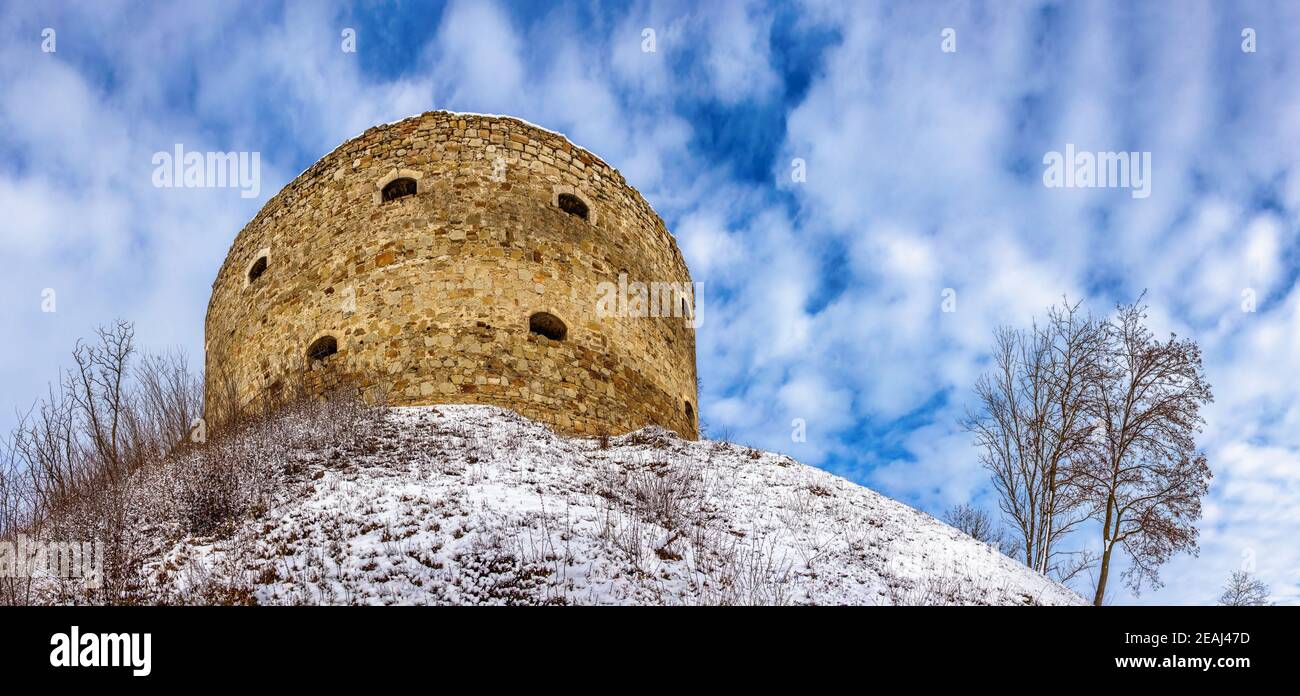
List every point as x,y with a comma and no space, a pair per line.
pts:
573,205
399,188
547,325
258,268
690,413
322,348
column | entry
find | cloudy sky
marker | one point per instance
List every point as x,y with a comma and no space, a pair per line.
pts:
922,172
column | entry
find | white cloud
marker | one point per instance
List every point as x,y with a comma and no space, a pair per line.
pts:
478,57
739,56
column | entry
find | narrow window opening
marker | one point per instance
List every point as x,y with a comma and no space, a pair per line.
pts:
690,413
547,325
322,348
399,188
573,205
258,268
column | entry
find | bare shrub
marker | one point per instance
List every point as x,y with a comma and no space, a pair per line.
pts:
494,571
67,460
664,492
207,493
980,526
106,456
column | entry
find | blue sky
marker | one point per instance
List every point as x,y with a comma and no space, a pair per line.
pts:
924,172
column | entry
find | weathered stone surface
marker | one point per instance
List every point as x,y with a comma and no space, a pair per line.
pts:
429,296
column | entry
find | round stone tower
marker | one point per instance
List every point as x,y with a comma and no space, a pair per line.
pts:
456,258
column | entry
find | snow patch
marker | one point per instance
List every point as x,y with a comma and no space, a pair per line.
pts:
478,505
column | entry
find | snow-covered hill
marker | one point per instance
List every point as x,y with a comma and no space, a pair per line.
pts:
477,505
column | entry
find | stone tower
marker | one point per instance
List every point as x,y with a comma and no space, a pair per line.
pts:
456,258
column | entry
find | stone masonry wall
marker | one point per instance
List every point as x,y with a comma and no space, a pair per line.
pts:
429,296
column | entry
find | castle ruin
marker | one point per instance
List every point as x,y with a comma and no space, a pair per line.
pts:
456,258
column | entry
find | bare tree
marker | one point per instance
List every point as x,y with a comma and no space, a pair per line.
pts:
96,388
1244,591
1145,478
1033,426
47,449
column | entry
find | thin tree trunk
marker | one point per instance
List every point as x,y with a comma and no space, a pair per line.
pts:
1107,546
1108,543
1101,580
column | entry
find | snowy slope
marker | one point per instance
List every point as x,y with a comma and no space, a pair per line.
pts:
477,505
